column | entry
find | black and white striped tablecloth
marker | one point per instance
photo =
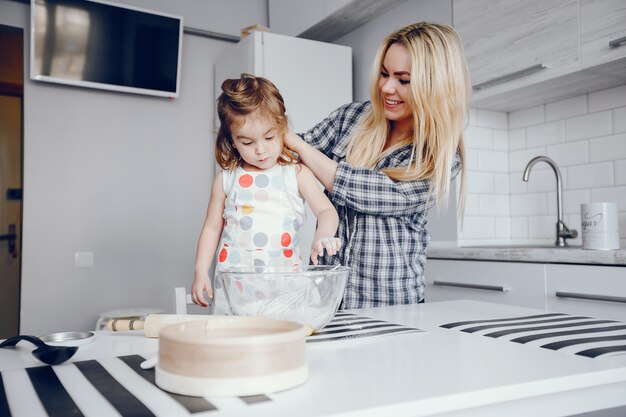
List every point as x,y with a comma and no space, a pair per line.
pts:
119,387
348,326
104,387
579,335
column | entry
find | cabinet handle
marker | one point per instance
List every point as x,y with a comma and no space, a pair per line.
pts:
617,42
471,286
595,297
509,77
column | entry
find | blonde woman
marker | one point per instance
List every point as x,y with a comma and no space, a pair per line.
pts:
386,162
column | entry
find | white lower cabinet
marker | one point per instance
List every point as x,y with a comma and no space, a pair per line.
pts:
596,291
520,284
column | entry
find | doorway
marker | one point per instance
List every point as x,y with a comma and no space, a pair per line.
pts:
11,176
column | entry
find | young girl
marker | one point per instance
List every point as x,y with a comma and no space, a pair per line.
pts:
385,162
257,201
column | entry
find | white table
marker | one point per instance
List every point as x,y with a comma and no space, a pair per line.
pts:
443,372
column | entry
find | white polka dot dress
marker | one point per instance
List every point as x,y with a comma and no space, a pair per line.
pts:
263,213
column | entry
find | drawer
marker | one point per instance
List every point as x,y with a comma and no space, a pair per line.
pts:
520,284
597,291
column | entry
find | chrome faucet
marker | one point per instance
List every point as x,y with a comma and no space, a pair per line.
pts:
562,231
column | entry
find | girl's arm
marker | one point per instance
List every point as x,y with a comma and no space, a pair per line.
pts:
322,208
207,243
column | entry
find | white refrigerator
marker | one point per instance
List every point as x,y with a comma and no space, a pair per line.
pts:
313,77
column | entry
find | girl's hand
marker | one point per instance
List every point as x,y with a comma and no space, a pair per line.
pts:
331,244
198,288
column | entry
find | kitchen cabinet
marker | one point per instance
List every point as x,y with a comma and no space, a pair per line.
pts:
602,31
313,77
512,44
522,54
510,283
590,290
324,20
596,291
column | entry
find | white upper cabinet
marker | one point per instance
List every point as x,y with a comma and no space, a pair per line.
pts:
515,43
324,20
526,53
512,44
602,31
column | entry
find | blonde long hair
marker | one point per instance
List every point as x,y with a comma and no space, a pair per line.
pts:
439,101
241,97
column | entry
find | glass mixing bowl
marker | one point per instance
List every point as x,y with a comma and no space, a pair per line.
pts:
307,294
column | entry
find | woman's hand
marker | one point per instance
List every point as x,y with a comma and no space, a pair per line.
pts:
201,284
331,244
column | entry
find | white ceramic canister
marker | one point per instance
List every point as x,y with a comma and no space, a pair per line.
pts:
600,226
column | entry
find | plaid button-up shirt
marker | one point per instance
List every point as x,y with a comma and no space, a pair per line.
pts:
381,221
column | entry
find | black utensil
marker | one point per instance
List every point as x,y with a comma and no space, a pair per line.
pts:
52,355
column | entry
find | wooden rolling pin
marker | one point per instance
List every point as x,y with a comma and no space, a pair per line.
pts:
155,322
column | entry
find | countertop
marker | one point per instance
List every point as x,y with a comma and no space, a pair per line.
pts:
441,371
529,253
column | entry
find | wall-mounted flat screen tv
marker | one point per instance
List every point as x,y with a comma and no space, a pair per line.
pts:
104,45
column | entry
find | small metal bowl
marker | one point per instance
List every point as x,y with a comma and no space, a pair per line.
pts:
67,338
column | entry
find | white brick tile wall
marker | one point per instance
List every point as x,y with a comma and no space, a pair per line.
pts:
494,161
473,117
589,126
540,179
529,204
478,137
572,153
500,140
501,183
571,201
545,134
542,227
607,99
516,185
471,159
620,173
517,139
526,117
519,159
472,205
575,106
492,119
479,227
612,194
619,120
503,227
519,227
608,148
480,182
585,135
589,176
494,205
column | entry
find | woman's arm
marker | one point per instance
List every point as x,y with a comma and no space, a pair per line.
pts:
207,243
326,140
322,208
322,166
371,191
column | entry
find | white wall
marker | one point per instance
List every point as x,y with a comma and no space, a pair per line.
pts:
584,135
126,177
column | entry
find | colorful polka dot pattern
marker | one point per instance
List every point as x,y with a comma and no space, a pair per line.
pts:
261,223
